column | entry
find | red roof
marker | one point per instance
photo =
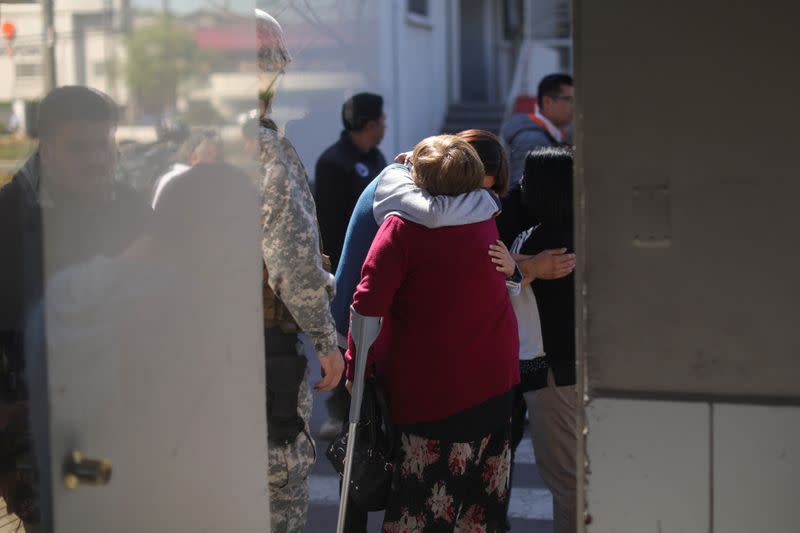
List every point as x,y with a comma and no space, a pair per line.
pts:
242,36
239,37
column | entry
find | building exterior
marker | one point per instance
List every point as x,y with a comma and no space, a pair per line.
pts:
87,39
424,57
428,59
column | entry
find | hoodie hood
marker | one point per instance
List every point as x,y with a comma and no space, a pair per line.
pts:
517,123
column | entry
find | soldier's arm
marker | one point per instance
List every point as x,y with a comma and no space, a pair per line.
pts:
291,247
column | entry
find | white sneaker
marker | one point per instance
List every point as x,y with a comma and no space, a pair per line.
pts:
330,429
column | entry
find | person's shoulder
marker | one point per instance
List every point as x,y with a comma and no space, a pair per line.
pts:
276,148
10,200
396,223
393,171
516,122
17,192
392,177
173,172
274,142
10,188
333,154
408,231
366,199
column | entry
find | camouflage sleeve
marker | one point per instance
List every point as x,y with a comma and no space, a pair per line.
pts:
290,242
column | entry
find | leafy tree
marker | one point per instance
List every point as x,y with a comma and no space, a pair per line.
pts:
161,57
202,113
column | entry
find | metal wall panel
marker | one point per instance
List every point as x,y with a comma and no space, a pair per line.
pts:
640,450
756,466
687,188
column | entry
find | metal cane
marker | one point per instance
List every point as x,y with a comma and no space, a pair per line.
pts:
364,330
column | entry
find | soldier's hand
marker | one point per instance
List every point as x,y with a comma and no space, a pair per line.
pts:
332,367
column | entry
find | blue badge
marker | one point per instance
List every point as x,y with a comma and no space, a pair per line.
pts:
362,170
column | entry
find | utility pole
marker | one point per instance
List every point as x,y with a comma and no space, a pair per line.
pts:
49,55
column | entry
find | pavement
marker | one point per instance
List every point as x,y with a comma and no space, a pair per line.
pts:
531,508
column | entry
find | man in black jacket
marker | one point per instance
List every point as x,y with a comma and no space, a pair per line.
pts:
347,167
341,174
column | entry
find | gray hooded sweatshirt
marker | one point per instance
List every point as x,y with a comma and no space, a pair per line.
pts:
522,135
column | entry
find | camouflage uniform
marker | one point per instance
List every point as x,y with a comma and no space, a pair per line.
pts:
289,467
292,257
291,241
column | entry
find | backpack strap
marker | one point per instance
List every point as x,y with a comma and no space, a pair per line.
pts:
542,127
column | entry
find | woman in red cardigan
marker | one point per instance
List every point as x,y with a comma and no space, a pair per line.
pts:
447,355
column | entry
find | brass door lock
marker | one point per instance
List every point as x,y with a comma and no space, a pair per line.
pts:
79,470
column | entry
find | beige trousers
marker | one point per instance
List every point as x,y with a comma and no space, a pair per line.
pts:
552,411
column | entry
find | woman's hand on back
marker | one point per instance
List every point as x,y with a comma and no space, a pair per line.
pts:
548,264
502,258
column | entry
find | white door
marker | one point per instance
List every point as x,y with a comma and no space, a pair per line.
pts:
143,329
154,362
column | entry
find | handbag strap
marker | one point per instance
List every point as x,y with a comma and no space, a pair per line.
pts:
386,419
376,417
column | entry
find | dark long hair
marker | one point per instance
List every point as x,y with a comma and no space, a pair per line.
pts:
493,156
547,186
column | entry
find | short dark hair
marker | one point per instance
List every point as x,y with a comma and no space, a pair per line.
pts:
493,156
74,102
547,185
551,86
360,109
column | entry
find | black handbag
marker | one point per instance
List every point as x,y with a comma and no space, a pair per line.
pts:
371,477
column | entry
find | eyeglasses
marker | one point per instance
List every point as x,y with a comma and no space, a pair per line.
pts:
569,99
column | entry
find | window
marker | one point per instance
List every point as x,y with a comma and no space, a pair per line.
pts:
419,14
418,7
28,70
99,69
27,51
512,19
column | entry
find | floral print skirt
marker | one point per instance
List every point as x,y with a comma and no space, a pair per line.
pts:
450,486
